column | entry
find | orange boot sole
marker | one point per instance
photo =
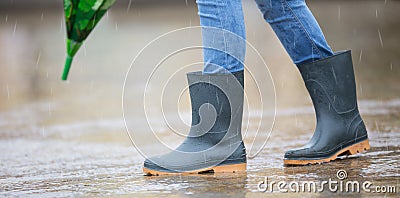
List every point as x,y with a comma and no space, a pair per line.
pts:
350,150
233,168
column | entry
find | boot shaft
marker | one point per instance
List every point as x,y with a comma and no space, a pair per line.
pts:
217,104
331,85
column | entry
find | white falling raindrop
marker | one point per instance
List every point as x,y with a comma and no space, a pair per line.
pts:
61,24
15,28
38,59
84,49
129,6
8,92
380,38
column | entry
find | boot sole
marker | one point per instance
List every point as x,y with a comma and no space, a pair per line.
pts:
233,168
350,150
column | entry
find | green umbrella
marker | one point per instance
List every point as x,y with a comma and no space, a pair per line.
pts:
81,17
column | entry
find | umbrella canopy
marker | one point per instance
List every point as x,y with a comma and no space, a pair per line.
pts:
81,16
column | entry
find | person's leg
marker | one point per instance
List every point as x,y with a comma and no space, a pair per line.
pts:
329,79
223,35
296,28
214,142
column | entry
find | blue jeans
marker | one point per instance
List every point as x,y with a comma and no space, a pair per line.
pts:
224,37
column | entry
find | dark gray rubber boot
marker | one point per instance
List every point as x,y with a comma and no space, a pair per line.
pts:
340,129
214,142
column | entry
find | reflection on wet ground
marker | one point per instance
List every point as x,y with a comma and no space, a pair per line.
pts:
69,139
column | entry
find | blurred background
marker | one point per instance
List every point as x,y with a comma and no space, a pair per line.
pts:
69,137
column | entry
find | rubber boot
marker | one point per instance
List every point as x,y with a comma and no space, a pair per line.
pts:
340,129
214,142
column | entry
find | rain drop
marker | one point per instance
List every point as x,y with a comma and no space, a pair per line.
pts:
8,92
377,127
61,24
129,6
43,134
15,27
380,38
38,59
294,43
84,49
334,74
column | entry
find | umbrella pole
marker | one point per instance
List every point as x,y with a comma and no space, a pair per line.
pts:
67,66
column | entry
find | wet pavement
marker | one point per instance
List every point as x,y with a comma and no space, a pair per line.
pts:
69,138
